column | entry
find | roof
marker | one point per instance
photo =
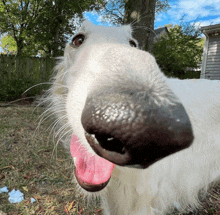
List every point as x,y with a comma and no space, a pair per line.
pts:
210,28
160,30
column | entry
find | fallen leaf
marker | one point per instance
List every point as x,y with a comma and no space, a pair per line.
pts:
71,205
6,167
25,188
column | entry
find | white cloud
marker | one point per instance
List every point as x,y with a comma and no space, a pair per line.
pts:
161,17
193,9
210,22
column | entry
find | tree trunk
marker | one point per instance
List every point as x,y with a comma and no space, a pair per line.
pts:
141,14
20,46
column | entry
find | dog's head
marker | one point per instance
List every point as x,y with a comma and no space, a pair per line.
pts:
117,104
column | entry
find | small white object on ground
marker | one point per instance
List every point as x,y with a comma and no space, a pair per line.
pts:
33,200
16,196
4,190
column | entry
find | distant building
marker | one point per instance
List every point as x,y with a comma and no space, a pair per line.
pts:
160,32
211,52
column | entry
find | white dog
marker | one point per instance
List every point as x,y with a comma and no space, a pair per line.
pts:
143,142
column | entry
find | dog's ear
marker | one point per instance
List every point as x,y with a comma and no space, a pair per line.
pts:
86,25
127,28
128,31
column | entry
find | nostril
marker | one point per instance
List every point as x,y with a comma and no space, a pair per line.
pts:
110,143
109,148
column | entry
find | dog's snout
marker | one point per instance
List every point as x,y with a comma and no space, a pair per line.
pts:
130,127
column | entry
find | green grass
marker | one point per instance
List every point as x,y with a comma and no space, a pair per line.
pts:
27,163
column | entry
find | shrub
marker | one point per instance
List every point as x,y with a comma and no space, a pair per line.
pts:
178,50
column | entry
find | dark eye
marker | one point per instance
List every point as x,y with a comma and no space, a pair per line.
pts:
132,43
78,40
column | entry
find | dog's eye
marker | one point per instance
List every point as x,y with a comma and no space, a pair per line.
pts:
78,40
132,43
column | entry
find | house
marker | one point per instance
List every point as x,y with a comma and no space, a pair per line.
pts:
211,52
160,32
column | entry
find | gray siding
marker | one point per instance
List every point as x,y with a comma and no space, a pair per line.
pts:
212,69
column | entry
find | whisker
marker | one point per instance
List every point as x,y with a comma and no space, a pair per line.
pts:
35,86
146,28
17,100
56,122
45,83
61,137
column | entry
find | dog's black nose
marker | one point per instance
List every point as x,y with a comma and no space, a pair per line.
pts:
134,127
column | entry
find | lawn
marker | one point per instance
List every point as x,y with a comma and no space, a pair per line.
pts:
30,162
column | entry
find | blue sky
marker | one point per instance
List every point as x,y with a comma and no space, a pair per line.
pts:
204,12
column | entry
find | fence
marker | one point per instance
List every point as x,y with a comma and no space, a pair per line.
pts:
20,73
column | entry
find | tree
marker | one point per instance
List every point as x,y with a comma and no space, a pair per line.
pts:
8,44
114,10
142,15
41,24
179,49
162,6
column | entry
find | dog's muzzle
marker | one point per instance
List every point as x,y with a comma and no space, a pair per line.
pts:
131,128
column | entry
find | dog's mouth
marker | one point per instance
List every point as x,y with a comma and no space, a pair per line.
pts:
92,172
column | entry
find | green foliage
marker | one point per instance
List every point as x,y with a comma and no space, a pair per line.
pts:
9,44
42,26
162,6
178,50
14,88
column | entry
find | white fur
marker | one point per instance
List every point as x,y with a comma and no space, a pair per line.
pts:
106,58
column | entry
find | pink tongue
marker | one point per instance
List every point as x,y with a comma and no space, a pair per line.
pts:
90,169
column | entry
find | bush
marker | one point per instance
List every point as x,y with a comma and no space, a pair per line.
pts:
178,50
14,88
